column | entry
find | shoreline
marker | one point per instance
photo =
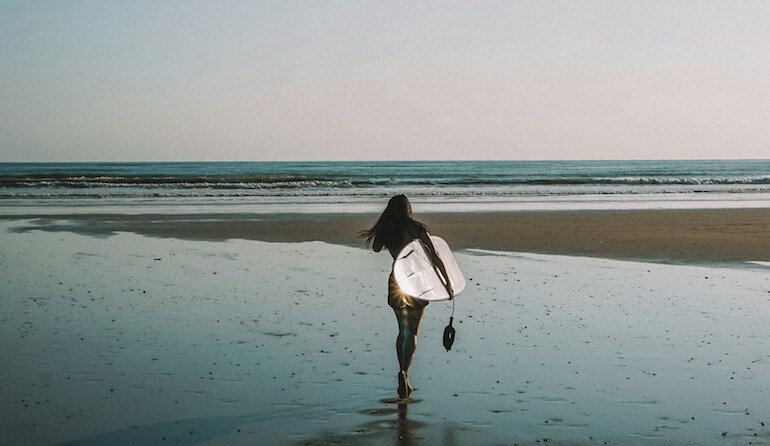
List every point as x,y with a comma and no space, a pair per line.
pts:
680,236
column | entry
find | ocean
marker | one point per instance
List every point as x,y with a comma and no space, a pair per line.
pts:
364,186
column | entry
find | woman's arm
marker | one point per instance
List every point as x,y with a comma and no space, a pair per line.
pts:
437,263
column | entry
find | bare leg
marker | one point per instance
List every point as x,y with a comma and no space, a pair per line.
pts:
406,343
408,314
408,324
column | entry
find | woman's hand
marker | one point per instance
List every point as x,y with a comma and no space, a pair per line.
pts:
450,290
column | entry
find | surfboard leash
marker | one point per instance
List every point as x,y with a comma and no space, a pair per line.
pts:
449,331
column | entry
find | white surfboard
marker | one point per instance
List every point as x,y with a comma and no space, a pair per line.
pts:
416,275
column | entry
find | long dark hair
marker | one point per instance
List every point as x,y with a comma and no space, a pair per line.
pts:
394,221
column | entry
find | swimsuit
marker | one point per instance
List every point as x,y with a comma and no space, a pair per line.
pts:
397,299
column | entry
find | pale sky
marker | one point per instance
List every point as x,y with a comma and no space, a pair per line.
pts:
156,80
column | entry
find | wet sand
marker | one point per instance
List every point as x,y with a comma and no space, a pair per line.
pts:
702,236
127,339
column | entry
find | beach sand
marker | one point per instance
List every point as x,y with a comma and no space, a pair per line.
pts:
698,235
226,329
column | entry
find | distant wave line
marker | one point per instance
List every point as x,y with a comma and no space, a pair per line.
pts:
372,193
304,182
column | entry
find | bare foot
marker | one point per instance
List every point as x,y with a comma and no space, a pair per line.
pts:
403,385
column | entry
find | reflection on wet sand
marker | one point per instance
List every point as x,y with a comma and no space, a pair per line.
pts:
390,426
393,426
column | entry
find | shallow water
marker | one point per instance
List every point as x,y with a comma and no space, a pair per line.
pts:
126,338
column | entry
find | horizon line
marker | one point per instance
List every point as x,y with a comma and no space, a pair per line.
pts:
379,160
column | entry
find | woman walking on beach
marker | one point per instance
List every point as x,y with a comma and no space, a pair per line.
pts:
394,230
